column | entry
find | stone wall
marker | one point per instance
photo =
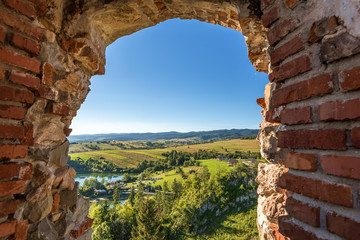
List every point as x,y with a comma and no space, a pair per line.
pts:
310,134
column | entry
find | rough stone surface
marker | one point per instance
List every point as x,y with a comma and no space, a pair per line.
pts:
59,155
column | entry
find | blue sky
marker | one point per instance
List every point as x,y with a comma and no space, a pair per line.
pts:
180,75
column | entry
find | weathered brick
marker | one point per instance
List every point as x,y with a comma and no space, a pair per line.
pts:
270,16
344,166
290,69
355,136
290,229
340,194
58,109
14,112
18,60
10,131
28,138
21,25
343,226
46,92
56,200
315,86
7,228
265,3
67,131
16,94
2,73
222,16
303,212
13,151
25,172
273,115
2,35
22,7
334,139
80,228
291,3
321,28
12,187
47,74
25,79
261,102
8,207
279,31
291,47
340,110
339,46
21,230
25,44
301,161
296,116
275,231
350,79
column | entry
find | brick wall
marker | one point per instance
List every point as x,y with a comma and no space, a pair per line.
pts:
310,134
315,59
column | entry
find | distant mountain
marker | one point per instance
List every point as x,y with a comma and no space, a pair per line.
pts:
202,136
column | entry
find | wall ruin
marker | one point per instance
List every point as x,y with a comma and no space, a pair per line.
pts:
310,134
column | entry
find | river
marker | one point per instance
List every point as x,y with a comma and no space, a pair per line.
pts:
108,177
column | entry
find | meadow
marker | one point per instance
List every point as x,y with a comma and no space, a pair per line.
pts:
130,158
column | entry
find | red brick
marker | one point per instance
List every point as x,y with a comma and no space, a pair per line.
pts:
343,166
355,136
18,60
80,228
273,115
9,131
21,230
25,79
46,92
28,139
22,7
315,86
58,109
222,16
279,31
350,79
265,3
9,170
270,16
47,74
21,25
8,207
291,47
16,94
55,206
13,151
313,139
25,171
340,194
2,35
2,73
101,70
261,102
7,228
296,116
14,112
26,44
290,229
303,212
12,187
343,226
340,110
290,69
301,161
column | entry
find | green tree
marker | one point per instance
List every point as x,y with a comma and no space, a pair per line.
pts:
116,194
176,188
165,186
131,198
148,222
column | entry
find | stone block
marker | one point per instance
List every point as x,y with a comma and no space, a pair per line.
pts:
68,198
59,155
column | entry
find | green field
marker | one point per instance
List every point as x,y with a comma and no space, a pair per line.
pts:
130,158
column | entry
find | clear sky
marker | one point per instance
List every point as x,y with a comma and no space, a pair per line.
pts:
180,75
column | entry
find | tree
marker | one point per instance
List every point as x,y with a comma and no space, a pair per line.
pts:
176,188
116,194
131,198
165,186
148,222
